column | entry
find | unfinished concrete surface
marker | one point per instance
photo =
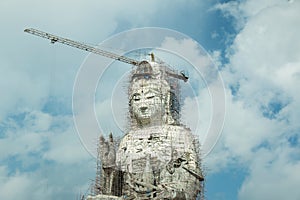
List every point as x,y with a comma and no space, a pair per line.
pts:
158,158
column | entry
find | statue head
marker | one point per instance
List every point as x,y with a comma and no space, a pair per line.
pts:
151,100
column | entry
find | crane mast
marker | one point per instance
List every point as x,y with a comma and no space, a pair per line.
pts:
85,47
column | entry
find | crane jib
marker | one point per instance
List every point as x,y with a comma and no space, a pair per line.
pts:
53,39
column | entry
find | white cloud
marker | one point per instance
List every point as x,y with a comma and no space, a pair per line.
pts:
42,158
25,139
190,50
272,175
263,69
197,113
16,188
243,11
66,148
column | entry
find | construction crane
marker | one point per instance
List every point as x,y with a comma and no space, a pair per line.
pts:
54,38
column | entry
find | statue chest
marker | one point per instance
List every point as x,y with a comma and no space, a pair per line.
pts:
158,145
154,148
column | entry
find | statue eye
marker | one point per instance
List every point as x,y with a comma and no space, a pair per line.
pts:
150,97
136,98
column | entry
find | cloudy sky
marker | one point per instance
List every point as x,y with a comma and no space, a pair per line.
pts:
254,43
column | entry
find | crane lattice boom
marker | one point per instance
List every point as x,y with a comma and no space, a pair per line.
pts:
85,47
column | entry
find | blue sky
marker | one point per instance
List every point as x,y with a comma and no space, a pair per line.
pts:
254,43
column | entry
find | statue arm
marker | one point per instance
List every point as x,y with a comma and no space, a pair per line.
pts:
185,181
183,174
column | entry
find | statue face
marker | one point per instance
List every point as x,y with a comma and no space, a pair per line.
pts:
147,105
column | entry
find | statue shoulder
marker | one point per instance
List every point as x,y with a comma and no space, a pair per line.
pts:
183,133
126,139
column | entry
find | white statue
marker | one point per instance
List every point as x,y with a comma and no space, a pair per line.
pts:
157,158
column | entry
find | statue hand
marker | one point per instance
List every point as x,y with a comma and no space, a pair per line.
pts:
107,152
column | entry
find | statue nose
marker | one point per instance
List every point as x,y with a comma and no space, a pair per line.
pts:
143,108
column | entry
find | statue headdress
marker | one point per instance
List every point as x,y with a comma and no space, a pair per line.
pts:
161,75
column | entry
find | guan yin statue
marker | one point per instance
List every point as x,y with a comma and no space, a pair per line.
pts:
158,158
